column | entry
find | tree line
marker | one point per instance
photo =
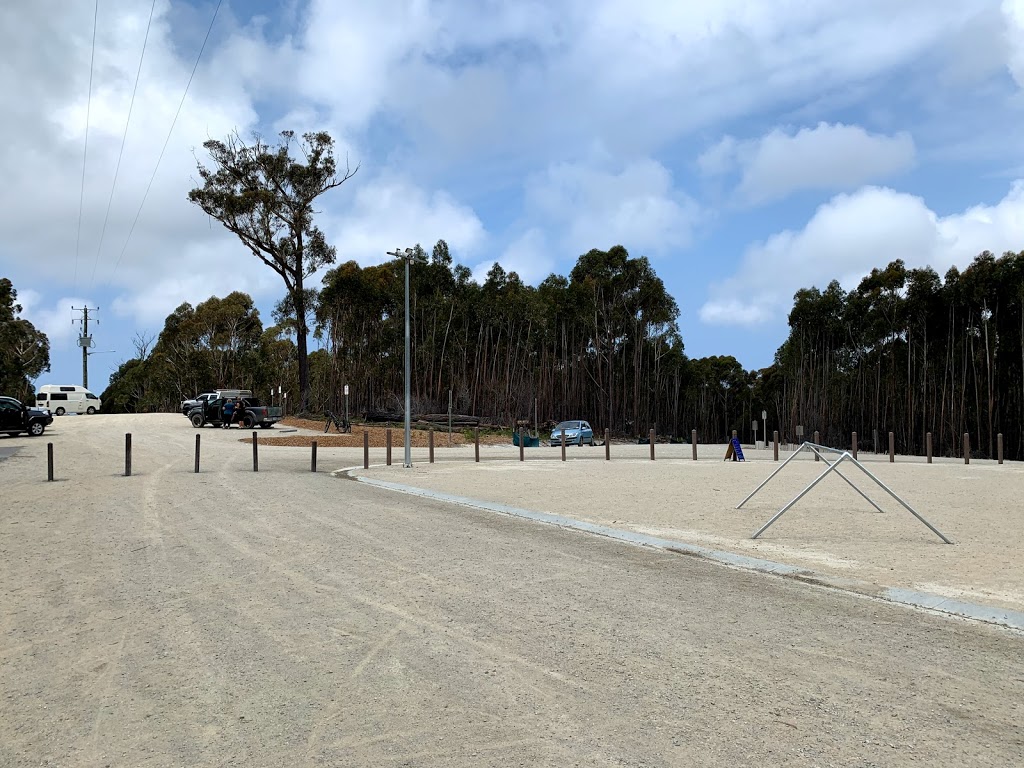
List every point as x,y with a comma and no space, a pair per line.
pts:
905,351
908,352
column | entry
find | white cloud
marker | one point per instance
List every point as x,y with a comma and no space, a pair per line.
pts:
54,319
850,235
1013,11
538,78
390,212
829,157
637,207
529,256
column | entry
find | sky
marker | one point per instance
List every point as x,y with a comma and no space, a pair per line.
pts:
747,148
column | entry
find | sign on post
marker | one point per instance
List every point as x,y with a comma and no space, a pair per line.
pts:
753,426
346,390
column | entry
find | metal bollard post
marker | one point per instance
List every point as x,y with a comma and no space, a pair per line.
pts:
387,442
563,445
608,445
775,444
128,454
197,453
967,448
430,445
693,443
999,447
522,448
853,444
928,446
650,437
817,441
892,447
255,453
49,462
476,445
366,449
312,459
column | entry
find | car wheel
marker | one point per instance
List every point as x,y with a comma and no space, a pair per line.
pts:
247,422
59,412
197,421
90,410
36,428
266,426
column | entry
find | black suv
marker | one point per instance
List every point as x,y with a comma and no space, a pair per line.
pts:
16,418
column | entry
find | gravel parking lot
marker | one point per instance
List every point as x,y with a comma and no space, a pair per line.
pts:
291,618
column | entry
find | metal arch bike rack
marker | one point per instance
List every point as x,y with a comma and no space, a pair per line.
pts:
833,466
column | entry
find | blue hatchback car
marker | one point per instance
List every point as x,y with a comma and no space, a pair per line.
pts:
576,433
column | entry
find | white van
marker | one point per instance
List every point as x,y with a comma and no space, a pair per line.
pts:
62,399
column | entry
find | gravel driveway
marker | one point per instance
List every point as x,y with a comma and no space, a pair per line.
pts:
287,618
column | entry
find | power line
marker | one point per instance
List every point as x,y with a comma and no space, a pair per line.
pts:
168,139
124,137
85,152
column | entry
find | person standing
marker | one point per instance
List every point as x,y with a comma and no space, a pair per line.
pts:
240,412
229,412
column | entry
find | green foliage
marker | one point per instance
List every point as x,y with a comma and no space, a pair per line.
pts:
24,350
220,343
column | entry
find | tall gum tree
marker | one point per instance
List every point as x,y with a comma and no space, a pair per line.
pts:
265,197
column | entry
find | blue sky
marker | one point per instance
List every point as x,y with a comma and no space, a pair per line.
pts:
747,148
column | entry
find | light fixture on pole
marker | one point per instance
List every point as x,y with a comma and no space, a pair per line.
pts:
407,256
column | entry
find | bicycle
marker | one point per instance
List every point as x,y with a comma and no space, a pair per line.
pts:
340,425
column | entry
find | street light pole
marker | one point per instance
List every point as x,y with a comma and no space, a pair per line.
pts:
406,256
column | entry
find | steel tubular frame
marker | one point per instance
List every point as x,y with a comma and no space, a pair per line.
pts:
834,467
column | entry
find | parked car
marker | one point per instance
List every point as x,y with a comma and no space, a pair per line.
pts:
16,418
188,405
212,412
576,432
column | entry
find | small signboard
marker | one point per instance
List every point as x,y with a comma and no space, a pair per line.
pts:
734,451
346,390
799,430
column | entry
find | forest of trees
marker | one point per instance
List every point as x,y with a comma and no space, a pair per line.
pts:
905,351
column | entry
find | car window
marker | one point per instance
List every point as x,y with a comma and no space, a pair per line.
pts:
90,396
67,389
58,395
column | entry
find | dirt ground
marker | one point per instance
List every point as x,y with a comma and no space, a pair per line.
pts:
831,530
314,430
291,618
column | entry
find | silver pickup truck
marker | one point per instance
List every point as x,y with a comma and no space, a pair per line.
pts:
212,412
188,405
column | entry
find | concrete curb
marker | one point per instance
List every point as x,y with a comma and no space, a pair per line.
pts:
923,600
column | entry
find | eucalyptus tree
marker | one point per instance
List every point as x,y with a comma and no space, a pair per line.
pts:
265,196
24,350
